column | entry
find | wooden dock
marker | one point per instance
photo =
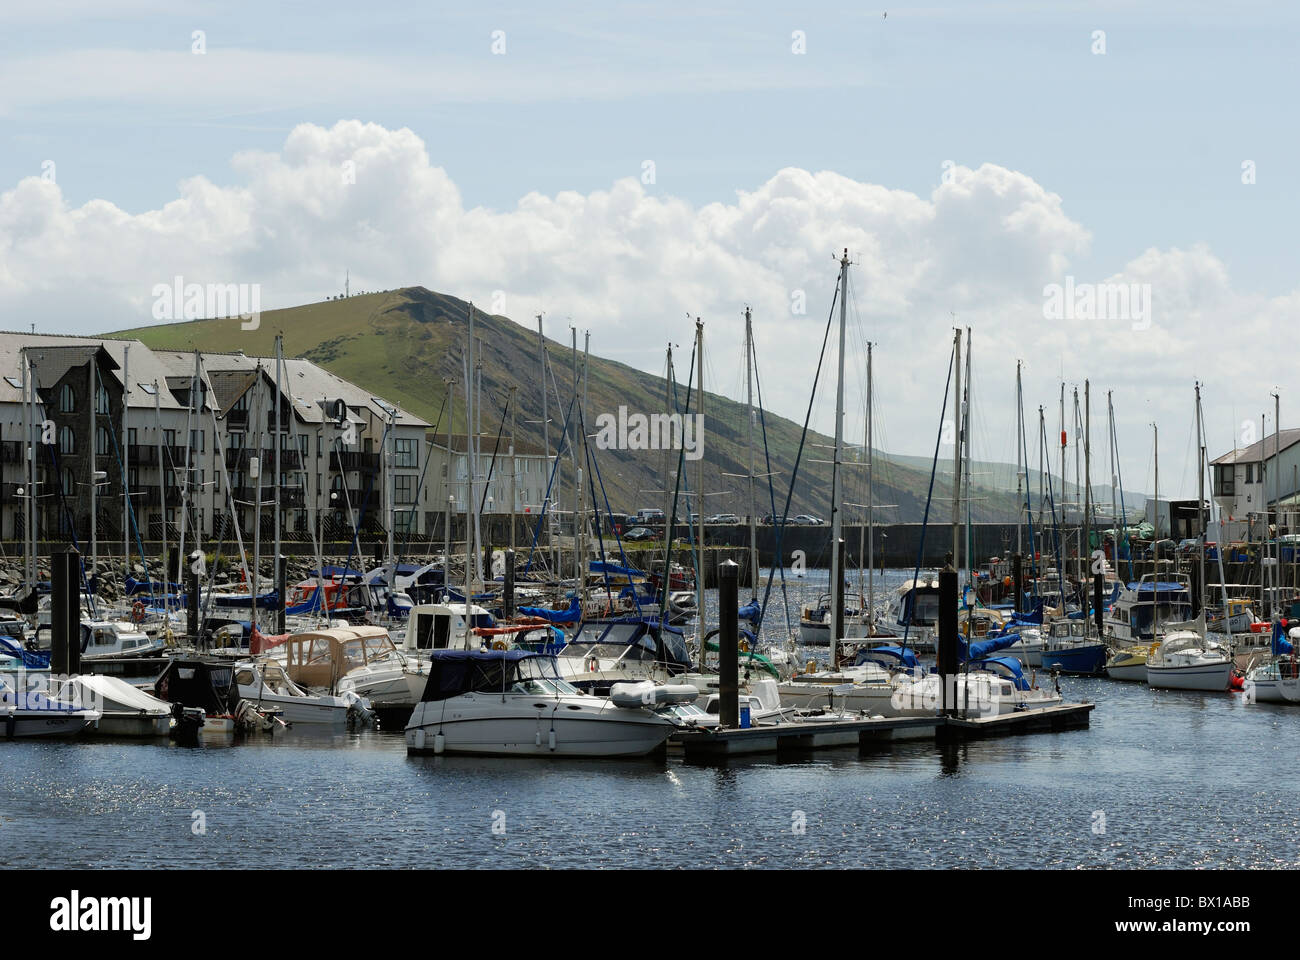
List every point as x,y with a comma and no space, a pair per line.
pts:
804,736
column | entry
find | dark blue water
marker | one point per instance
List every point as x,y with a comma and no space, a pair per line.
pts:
1181,780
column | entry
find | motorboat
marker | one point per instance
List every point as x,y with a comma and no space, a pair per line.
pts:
358,660
1278,679
1185,659
995,686
1143,609
613,650
264,682
205,699
815,623
1067,648
1129,663
109,640
515,703
445,626
34,713
125,710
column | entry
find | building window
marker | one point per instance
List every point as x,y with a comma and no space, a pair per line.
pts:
404,489
405,453
131,437
101,400
196,441
69,482
236,440
67,399
66,441
169,438
102,447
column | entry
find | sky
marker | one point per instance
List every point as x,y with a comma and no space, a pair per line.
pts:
624,167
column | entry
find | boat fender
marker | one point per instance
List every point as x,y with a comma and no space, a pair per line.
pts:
551,740
439,743
1237,682
419,739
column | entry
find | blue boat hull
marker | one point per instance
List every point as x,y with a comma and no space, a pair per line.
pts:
1087,659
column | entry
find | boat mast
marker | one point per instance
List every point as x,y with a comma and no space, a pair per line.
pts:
277,477
699,495
967,545
1020,458
1085,547
92,451
514,463
1200,504
871,509
837,574
956,455
162,495
749,420
546,442
1155,543
126,465
1276,578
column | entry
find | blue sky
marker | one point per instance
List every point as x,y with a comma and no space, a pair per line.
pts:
1143,145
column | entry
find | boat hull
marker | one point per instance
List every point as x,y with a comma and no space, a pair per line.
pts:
24,724
1203,676
518,735
1082,660
1132,672
133,725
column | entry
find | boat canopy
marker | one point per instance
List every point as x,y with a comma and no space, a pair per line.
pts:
456,672
605,566
750,611
1008,665
982,649
32,660
895,655
1282,646
571,615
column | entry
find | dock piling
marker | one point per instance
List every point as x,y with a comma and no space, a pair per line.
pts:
947,642
728,644
65,613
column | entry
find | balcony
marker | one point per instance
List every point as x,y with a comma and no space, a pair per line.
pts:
350,460
239,459
142,455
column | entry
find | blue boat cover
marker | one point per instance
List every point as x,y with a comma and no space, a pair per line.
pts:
980,650
1281,645
750,611
1010,664
607,566
38,660
905,656
571,615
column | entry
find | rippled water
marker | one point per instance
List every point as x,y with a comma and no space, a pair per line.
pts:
1182,779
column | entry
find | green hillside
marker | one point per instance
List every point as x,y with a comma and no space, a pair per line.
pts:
402,343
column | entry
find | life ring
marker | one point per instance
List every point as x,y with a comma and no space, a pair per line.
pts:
137,612
498,644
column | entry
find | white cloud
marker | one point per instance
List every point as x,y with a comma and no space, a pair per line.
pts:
630,263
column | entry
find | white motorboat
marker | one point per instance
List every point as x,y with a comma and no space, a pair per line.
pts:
109,640
620,650
1185,659
514,703
33,713
125,710
998,687
264,683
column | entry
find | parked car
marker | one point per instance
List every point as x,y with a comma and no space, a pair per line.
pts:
808,518
640,533
773,520
722,518
1161,549
647,516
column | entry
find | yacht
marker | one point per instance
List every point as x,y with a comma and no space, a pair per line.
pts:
621,649
1185,659
1143,608
515,703
33,713
263,682
992,687
125,710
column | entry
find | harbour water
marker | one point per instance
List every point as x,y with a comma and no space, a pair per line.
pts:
1161,779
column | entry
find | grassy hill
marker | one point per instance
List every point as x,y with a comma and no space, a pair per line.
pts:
402,343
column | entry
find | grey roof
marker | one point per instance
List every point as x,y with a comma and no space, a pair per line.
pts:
142,367
1261,449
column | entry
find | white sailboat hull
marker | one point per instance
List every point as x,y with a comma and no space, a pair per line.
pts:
1201,676
521,734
